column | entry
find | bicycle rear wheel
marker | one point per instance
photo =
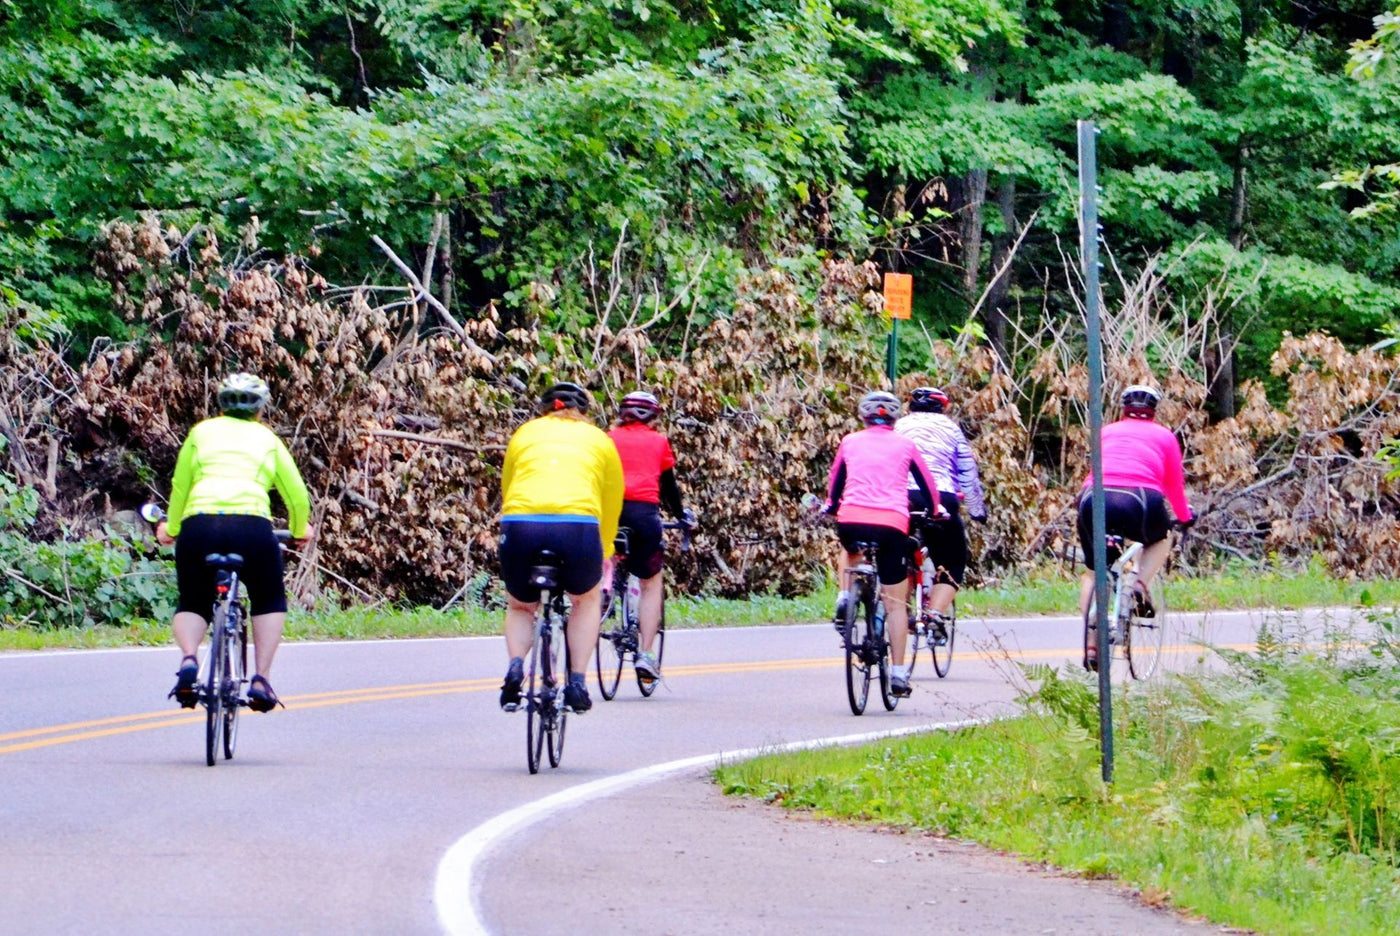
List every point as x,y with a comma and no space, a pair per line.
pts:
237,666
613,637
557,716
942,652
648,686
1146,636
538,690
214,689
857,664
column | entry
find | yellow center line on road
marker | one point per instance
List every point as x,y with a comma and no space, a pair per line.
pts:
33,738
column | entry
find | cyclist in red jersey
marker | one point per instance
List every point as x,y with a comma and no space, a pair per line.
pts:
648,469
1142,474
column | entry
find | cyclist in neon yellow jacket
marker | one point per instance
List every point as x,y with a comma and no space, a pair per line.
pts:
219,504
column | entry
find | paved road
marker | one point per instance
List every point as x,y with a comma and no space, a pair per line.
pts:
337,812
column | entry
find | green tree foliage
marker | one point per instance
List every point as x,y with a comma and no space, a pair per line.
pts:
1375,62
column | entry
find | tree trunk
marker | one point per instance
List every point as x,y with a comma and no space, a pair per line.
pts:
994,309
1219,360
967,194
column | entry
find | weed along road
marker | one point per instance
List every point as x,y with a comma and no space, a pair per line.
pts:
391,795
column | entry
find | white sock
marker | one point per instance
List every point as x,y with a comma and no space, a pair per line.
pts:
843,595
899,672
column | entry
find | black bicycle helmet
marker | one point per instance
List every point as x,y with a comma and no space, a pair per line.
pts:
638,406
879,408
928,400
1140,402
243,395
564,395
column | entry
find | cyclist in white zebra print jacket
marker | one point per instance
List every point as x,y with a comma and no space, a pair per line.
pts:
949,458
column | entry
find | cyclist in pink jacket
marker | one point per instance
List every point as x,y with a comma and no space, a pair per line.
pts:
867,491
1142,474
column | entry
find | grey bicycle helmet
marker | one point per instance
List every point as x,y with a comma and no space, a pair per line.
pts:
243,394
639,406
879,408
564,395
928,400
1140,402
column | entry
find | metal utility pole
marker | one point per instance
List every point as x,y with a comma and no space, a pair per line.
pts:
1089,255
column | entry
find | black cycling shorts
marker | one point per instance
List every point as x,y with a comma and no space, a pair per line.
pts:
248,536
1139,514
946,539
892,548
576,544
645,552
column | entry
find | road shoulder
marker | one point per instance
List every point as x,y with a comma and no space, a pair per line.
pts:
680,858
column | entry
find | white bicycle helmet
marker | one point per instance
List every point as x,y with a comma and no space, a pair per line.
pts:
243,394
1140,402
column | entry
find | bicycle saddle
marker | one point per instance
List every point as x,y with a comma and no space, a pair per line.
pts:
545,573
232,561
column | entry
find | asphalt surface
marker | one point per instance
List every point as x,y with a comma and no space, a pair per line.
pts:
337,813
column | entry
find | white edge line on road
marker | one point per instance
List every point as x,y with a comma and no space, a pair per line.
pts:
1197,616
457,890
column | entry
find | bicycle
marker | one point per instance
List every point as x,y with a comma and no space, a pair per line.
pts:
223,681
1133,638
866,643
543,695
924,631
619,639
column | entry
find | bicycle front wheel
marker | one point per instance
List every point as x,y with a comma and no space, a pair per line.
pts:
612,638
214,689
940,649
1146,636
916,627
880,649
538,691
236,666
857,664
648,686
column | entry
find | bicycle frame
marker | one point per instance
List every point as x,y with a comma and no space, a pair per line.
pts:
546,714
226,665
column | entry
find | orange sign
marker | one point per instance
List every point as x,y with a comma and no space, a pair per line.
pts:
899,295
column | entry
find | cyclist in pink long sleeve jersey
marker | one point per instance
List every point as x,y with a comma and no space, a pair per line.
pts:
867,492
1142,474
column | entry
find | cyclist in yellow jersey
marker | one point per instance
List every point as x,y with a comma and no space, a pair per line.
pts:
219,504
561,490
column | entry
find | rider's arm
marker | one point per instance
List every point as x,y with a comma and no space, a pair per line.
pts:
671,493
292,489
836,482
968,480
613,486
1174,478
180,486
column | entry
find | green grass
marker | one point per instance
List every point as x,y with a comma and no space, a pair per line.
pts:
1045,591
1261,797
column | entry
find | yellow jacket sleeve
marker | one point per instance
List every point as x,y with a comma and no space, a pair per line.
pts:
292,489
180,487
612,488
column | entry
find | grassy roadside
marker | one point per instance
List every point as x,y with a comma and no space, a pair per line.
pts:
1259,796
1046,592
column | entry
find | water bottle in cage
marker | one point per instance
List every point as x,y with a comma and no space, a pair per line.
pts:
879,616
